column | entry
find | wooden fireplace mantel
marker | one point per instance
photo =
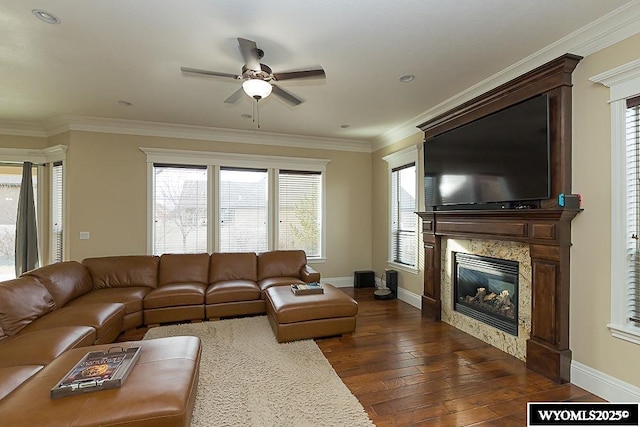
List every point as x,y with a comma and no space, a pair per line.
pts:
548,234
546,228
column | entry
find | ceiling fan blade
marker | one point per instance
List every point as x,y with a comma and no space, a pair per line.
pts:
304,74
249,52
286,96
200,73
234,97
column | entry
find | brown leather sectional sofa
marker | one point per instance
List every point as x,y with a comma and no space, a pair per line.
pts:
66,305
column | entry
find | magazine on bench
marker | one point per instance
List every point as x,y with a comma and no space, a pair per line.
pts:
307,288
97,370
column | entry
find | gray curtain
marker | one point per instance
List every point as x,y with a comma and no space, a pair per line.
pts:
26,229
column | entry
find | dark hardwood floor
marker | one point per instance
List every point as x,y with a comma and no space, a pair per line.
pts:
409,370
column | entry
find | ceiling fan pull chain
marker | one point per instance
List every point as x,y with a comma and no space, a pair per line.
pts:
257,115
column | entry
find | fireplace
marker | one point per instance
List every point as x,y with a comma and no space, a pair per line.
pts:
486,289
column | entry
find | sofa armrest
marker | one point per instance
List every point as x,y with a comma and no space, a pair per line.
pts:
308,274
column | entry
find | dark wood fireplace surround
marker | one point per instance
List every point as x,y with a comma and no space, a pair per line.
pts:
546,228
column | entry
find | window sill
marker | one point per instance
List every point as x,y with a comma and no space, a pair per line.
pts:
316,260
625,333
403,267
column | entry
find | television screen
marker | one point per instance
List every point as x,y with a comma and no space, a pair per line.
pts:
502,157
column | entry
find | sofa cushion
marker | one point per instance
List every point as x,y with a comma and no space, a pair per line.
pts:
22,301
233,266
183,268
177,294
64,280
131,297
106,318
41,347
281,264
11,377
232,291
123,271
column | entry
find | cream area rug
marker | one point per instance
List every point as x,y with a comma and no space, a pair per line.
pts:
248,379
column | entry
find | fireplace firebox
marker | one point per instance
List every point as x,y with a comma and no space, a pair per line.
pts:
486,289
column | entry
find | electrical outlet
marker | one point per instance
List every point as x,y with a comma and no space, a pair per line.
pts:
84,235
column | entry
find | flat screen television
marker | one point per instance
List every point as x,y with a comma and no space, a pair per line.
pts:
499,160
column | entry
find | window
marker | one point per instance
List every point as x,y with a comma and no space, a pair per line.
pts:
50,214
403,217
10,183
255,203
243,210
632,138
57,247
403,203
179,209
624,87
300,211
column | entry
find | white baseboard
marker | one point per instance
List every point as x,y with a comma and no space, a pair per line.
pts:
410,298
403,295
603,385
339,282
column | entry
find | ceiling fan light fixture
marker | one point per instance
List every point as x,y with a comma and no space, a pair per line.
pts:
256,88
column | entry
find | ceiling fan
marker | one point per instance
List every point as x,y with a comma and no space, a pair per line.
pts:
258,79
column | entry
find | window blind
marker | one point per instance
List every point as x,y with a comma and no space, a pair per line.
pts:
244,211
403,217
300,211
179,209
633,209
57,214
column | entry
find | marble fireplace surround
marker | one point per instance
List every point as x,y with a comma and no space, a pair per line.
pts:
513,251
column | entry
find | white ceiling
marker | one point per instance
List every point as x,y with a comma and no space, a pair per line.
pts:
132,50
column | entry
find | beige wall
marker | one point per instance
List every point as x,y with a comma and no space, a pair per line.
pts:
107,185
381,230
24,142
591,341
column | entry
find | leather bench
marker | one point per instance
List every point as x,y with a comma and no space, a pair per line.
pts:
298,317
160,390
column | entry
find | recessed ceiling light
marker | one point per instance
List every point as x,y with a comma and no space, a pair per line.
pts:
125,103
45,16
344,126
407,78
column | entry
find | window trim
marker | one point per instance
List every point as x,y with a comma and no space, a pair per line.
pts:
217,160
623,82
396,160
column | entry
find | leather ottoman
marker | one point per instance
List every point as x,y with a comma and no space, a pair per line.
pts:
160,390
298,317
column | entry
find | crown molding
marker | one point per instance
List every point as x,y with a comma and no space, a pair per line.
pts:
204,133
612,28
606,31
34,155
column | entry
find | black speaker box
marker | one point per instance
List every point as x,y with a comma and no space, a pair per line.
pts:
364,279
391,277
